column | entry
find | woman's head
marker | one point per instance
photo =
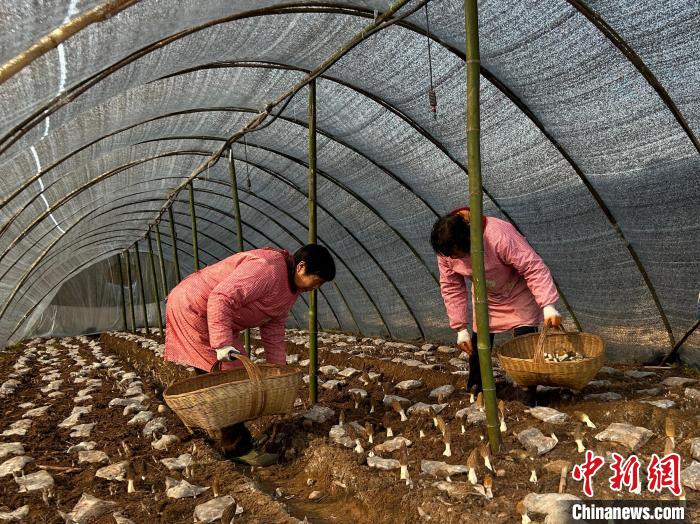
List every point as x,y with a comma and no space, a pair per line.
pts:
313,266
450,236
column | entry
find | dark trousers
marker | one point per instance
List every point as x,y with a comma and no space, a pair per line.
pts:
474,370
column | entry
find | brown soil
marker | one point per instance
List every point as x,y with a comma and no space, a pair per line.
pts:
351,492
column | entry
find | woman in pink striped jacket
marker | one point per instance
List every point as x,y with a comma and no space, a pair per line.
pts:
520,289
207,311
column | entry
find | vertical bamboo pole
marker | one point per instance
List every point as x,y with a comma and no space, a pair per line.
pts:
121,288
156,293
193,222
471,25
173,238
239,227
139,275
163,276
131,292
313,321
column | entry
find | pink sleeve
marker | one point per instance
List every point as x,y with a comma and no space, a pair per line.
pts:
245,284
454,294
513,249
272,335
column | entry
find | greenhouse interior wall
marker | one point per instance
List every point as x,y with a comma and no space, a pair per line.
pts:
589,147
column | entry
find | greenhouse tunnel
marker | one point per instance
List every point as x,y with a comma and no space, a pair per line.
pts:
589,142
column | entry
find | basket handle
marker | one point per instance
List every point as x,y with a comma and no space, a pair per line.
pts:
539,350
255,377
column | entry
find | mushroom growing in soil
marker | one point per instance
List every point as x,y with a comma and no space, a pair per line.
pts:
472,394
387,424
562,477
584,418
421,426
215,489
432,413
485,453
445,436
502,411
533,474
460,415
370,432
403,461
578,438
350,431
130,476
396,406
372,404
670,429
522,511
471,464
488,484
357,397
341,418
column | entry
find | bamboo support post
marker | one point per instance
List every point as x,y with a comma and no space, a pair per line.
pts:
239,226
173,238
471,25
163,274
193,224
129,281
313,305
139,275
156,293
121,288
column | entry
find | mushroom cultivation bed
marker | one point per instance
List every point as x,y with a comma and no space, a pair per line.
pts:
332,473
79,422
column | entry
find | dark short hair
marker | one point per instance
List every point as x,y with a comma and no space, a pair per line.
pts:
318,261
450,234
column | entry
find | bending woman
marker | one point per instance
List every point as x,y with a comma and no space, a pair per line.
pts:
520,289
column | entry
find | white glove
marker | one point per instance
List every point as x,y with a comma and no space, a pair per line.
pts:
463,336
551,316
225,353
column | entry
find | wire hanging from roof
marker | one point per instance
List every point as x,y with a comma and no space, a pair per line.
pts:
432,98
247,165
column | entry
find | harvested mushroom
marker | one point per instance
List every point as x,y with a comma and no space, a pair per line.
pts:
387,424
578,438
471,464
502,411
396,406
584,418
522,511
370,432
488,484
403,461
485,452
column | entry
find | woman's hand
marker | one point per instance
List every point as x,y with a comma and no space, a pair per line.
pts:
464,341
552,318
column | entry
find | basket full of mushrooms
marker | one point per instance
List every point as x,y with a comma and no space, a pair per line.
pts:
553,358
223,398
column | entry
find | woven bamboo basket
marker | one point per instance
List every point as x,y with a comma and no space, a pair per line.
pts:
523,358
222,398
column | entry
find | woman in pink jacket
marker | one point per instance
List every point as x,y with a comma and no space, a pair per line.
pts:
521,291
207,311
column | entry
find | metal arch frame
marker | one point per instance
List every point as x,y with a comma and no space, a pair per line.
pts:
104,176
26,276
83,86
123,168
284,180
331,137
620,43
